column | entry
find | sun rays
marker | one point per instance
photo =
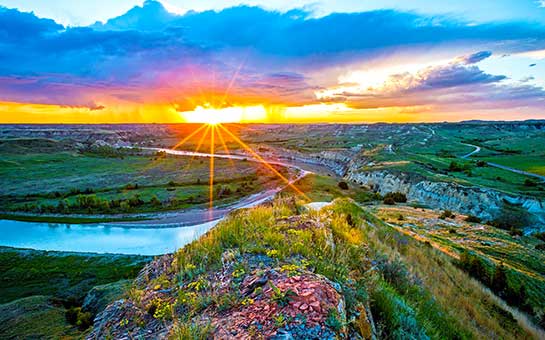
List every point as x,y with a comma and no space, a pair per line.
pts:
211,133
212,113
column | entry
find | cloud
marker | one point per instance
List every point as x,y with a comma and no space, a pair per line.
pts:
247,54
456,85
474,58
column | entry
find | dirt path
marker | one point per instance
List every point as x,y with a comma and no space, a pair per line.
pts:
499,166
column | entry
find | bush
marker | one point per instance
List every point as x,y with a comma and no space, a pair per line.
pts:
389,201
394,272
76,317
539,236
155,201
540,246
474,266
455,167
529,183
447,214
515,232
343,185
397,197
472,219
499,279
511,217
481,164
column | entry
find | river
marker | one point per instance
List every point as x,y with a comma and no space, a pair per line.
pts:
164,234
98,238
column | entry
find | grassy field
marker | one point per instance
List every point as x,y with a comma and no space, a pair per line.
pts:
38,289
427,150
67,276
320,188
524,262
66,181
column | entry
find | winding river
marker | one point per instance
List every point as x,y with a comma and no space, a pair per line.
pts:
165,233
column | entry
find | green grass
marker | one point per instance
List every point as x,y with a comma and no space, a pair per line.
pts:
525,264
319,188
67,276
39,182
35,317
60,219
413,289
530,163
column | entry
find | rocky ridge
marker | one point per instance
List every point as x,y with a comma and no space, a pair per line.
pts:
484,203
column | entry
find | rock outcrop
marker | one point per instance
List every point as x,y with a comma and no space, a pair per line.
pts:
484,203
98,298
271,296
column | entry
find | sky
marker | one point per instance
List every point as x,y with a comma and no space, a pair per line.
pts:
271,61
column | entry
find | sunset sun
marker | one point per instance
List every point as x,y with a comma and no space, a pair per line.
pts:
210,115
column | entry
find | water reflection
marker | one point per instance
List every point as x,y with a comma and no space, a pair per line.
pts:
98,238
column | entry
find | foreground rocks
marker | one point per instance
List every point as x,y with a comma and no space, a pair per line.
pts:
277,303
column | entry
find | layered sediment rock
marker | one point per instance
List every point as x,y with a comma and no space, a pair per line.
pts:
484,203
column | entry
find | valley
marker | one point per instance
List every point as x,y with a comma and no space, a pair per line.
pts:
137,195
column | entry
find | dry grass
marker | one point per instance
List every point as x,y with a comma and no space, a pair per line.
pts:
464,298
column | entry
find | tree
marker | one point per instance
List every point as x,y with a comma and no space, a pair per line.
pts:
389,201
155,201
397,197
499,280
455,167
472,219
343,185
125,206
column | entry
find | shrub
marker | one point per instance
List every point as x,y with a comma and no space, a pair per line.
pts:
446,214
394,272
343,185
455,167
540,236
333,321
76,317
481,164
389,201
135,201
474,266
540,246
511,217
529,183
155,201
499,279
515,232
280,297
398,197
472,219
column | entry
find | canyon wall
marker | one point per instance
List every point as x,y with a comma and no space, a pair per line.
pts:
484,203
